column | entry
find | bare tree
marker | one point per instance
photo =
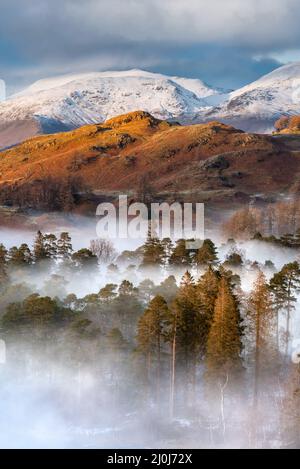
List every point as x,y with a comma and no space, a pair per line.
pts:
104,250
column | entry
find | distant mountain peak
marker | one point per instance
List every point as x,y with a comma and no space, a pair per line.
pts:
257,106
70,101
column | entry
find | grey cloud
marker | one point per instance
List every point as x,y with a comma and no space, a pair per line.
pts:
266,23
43,37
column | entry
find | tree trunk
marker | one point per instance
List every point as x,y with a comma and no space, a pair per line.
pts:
287,341
173,377
158,369
149,375
257,361
277,330
193,384
222,393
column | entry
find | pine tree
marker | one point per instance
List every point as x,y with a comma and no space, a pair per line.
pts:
278,300
116,341
150,335
287,240
39,248
126,289
168,289
290,412
180,254
285,285
146,290
153,251
26,254
224,346
186,338
3,254
19,257
3,263
108,292
297,238
50,245
233,259
261,316
64,246
172,326
207,289
225,336
168,247
207,254
85,259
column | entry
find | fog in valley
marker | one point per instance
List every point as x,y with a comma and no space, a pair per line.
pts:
113,343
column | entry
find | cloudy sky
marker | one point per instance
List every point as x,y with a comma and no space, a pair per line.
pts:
226,43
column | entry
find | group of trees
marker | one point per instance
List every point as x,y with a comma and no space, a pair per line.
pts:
288,123
172,344
46,193
275,219
203,324
156,253
172,340
211,325
48,248
289,240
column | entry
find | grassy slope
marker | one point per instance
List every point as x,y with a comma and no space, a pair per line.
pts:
115,156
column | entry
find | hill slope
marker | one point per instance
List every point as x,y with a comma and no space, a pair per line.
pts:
211,160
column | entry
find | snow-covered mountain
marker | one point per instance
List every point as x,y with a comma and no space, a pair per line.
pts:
257,106
69,101
94,97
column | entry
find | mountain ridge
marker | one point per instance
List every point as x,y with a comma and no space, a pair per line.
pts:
69,101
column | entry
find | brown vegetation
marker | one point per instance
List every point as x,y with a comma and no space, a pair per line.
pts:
210,160
273,220
288,125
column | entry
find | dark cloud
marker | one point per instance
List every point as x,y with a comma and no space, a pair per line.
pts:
228,67
215,40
